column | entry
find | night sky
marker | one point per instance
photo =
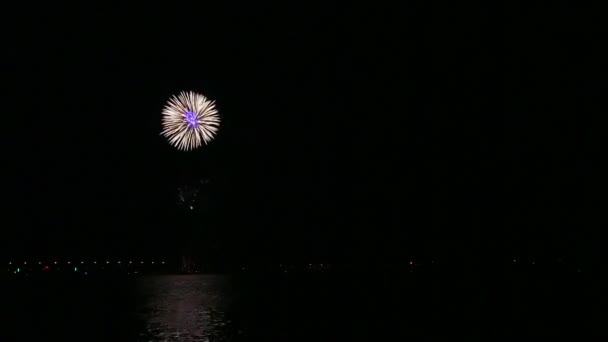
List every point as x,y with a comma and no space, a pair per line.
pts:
349,133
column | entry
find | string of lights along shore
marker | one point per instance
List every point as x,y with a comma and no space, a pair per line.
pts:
190,120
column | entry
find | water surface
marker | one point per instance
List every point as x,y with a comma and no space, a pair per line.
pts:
324,307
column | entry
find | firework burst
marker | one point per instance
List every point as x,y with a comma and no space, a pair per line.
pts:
190,120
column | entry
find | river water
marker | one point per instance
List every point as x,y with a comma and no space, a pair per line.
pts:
293,308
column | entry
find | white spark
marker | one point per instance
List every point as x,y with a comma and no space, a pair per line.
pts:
190,120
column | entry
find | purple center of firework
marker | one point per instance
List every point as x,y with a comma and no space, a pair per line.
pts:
191,118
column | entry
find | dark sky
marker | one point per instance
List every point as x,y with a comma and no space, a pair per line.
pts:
349,132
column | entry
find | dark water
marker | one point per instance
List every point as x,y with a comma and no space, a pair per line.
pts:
301,307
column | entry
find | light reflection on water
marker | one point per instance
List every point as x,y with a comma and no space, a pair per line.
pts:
185,308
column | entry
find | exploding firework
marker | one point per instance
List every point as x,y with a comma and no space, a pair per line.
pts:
190,120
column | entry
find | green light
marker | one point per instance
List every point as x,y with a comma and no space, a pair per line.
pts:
18,270
75,269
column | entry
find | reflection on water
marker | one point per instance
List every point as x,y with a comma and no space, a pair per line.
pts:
184,308
317,308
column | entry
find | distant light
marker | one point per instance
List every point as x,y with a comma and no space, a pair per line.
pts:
85,273
69,262
119,262
107,262
10,263
18,270
163,262
82,262
411,262
39,262
75,269
514,260
142,262
55,262
95,262
25,262
46,267
152,262
130,262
